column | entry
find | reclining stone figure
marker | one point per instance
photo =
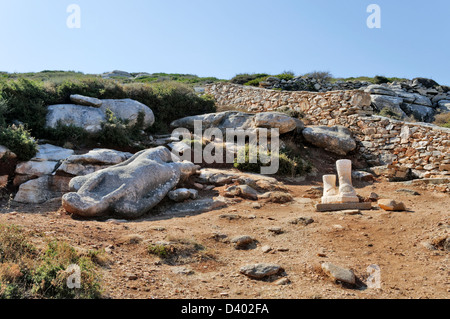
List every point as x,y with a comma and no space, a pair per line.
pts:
130,189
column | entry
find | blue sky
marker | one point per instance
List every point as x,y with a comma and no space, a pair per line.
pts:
224,37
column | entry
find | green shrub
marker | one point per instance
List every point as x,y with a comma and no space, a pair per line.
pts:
287,75
67,133
380,79
289,165
386,112
170,101
26,103
14,246
50,278
256,81
19,141
245,78
159,250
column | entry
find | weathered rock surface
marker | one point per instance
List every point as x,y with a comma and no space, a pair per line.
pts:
239,120
391,205
339,274
242,242
115,74
271,120
391,103
276,197
221,177
182,194
419,112
243,191
191,207
48,152
260,271
130,189
128,109
337,139
92,161
444,106
6,152
35,191
85,100
88,118
36,169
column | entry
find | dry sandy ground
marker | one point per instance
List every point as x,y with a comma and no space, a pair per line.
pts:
393,241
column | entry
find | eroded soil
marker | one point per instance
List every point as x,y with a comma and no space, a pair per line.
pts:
391,240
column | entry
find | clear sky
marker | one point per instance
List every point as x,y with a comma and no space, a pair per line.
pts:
224,37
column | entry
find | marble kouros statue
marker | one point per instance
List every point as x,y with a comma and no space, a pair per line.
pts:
345,193
130,189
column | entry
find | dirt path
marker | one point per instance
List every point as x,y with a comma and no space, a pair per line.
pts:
393,241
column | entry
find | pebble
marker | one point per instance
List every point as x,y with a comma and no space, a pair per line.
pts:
391,205
260,271
339,274
276,230
266,249
282,282
242,241
305,221
182,271
408,191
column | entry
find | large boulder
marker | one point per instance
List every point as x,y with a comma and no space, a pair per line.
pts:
239,120
48,152
421,113
127,190
129,110
275,120
36,169
428,83
91,117
444,106
336,139
391,103
93,161
44,163
35,191
378,89
88,118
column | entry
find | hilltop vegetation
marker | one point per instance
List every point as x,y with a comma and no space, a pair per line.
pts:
24,99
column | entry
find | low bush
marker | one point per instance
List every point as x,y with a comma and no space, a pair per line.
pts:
443,120
289,164
29,273
19,141
256,81
380,79
26,101
386,112
245,78
287,75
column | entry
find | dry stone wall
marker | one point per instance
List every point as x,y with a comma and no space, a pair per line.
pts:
317,108
420,148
